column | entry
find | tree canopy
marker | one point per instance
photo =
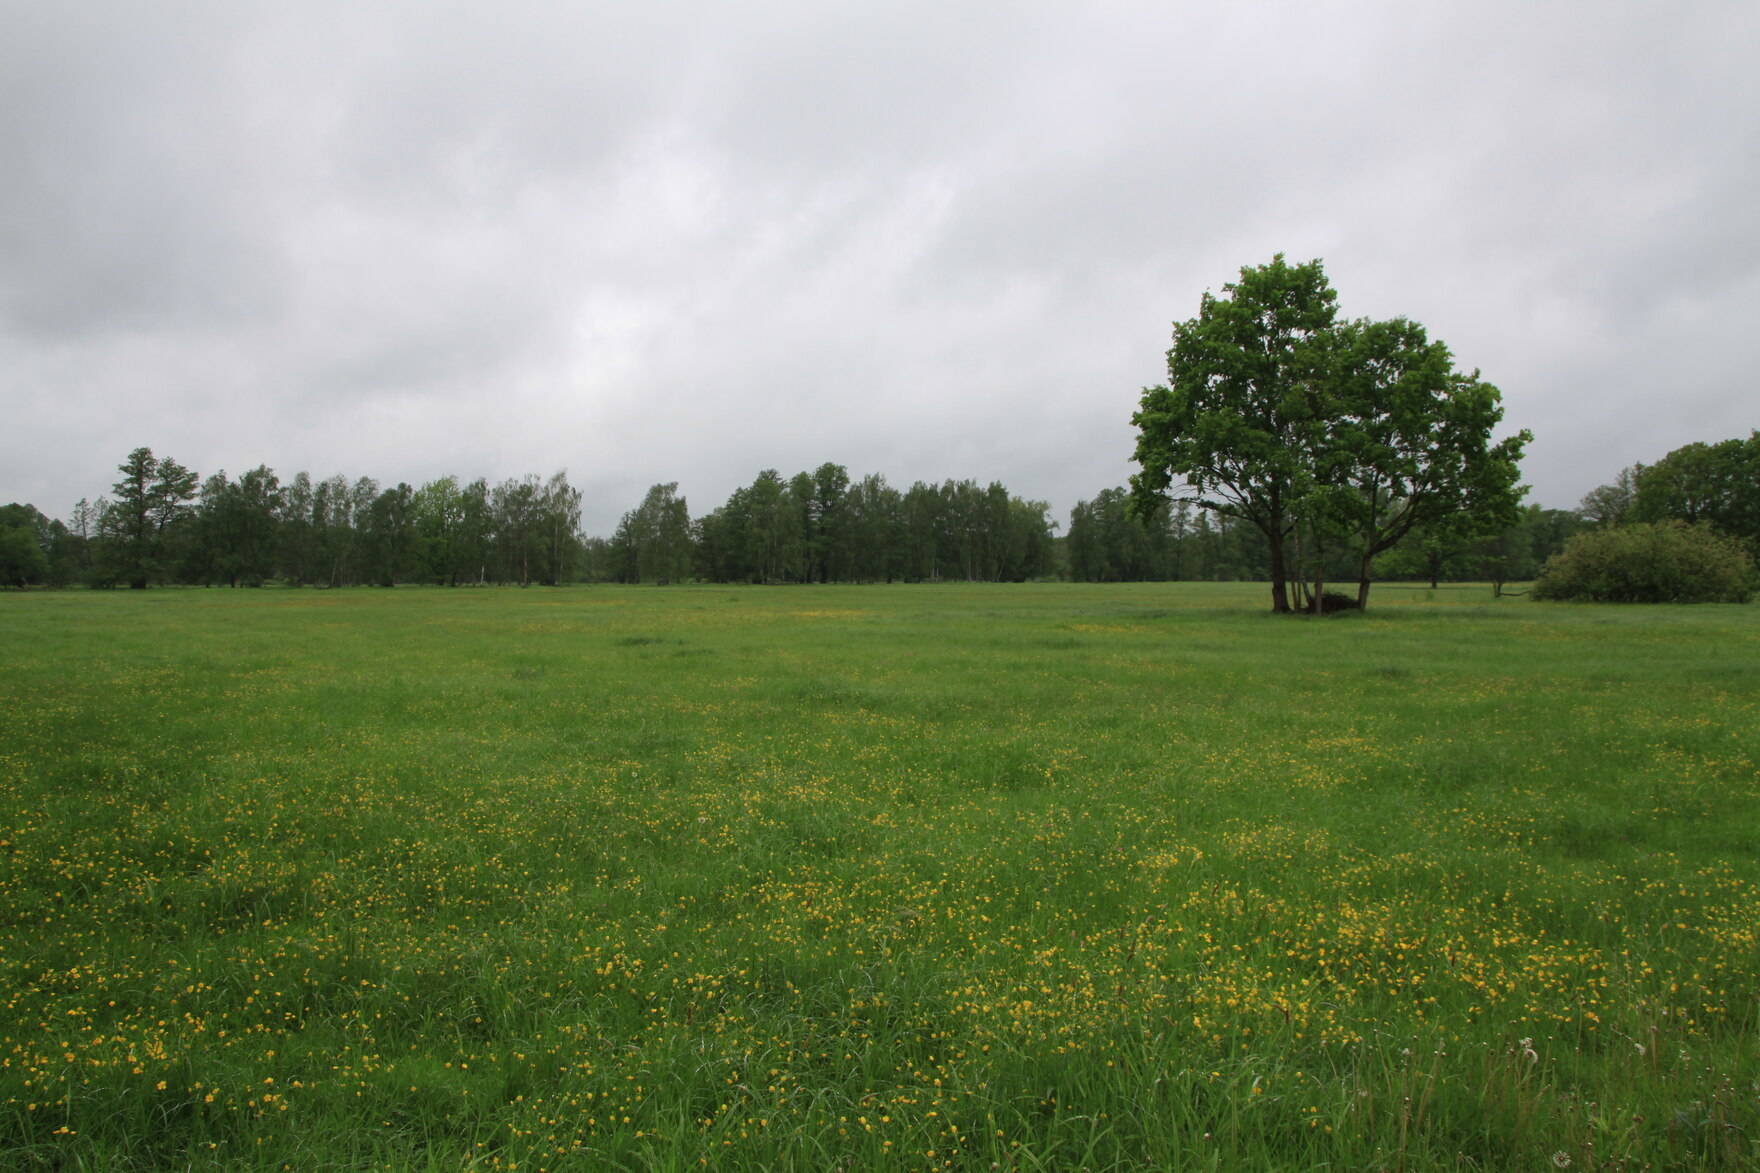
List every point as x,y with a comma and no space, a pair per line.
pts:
1716,483
1238,417
1321,434
23,531
165,524
152,504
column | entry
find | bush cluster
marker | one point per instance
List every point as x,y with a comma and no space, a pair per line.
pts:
1663,562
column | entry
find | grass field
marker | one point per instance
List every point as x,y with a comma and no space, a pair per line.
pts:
864,878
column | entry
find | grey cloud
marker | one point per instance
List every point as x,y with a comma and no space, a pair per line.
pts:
659,242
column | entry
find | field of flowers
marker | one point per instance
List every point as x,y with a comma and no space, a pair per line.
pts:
1020,877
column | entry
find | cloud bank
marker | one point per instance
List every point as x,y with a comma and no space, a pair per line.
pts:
684,242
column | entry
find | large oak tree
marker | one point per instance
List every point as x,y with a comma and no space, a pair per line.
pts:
1323,435
1240,420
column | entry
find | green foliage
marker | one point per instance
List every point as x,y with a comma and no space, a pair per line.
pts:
822,527
872,514
22,561
1660,562
1108,541
38,550
143,529
1240,419
828,552
1518,552
1322,435
1610,504
1409,446
1107,544
1716,483
653,541
235,528
559,530
1448,552
337,532
393,541
1043,877
516,505
1430,553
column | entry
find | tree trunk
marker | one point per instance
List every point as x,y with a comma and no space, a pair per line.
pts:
1279,587
1363,587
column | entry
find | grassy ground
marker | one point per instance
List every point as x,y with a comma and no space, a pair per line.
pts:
960,877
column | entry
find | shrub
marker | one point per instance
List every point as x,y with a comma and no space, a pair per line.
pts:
1664,562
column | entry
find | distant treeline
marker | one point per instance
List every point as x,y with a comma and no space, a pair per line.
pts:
822,527
1106,543
162,523
1715,485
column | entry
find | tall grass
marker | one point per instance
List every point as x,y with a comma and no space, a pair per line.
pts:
963,877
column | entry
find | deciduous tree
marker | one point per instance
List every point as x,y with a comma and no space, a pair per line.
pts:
1611,504
236,524
23,533
1409,444
1239,420
1326,437
653,541
1718,483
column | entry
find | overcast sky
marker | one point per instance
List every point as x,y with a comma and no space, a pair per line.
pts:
653,242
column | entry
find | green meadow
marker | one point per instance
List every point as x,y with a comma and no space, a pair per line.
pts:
1019,877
